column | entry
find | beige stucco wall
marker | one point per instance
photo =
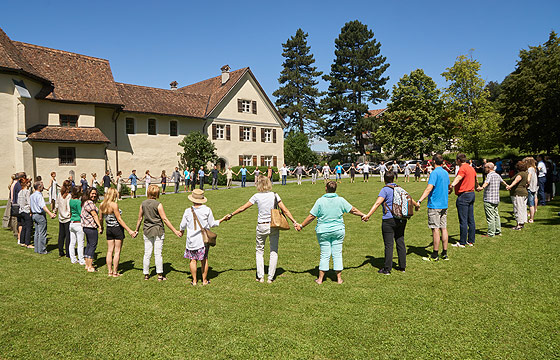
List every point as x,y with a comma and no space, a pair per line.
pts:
141,151
50,110
227,113
89,158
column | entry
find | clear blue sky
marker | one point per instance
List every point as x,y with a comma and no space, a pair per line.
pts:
153,43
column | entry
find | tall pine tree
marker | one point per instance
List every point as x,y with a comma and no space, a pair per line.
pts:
356,79
297,96
414,123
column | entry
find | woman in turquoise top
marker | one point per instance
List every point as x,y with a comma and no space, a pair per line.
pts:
328,210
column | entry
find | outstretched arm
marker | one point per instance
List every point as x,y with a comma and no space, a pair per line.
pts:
242,208
356,212
287,212
377,203
163,217
309,219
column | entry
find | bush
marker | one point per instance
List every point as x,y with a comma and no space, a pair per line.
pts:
125,190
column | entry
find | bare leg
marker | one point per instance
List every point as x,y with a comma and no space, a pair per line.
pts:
339,277
204,270
435,235
444,238
319,280
192,265
531,213
109,257
117,257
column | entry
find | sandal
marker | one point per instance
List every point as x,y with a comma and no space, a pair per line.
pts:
207,282
161,278
146,277
116,274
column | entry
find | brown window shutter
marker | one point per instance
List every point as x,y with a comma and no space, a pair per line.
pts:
254,160
254,106
262,135
274,161
241,133
274,136
262,160
239,105
254,134
214,132
228,132
240,160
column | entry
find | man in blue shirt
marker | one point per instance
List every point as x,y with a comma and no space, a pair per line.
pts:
243,172
338,170
133,183
201,175
39,209
437,192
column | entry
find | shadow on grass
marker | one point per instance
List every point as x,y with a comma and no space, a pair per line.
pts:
421,251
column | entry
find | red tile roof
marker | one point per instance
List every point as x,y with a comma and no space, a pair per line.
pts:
151,100
51,133
376,112
213,88
77,78
12,59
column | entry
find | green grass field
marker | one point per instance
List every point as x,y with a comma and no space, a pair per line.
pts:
497,300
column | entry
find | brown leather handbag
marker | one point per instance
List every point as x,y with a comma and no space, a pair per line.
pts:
208,236
277,218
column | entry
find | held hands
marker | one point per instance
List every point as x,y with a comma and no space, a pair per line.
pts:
479,188
226,218
508,187
365,218
298,226
133,234
178,233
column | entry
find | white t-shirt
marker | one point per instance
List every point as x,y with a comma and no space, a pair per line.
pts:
326,169
283,171
265,203
148,180
206,218
395,168
542,169
365,168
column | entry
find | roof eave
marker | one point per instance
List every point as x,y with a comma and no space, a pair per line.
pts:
165,114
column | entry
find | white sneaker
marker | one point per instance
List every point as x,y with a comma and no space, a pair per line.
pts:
458,245
82,262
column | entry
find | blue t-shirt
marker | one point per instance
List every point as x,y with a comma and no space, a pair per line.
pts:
499,166
338,168
328,210
84,184
187,175
200,174
133,179
243,171
387,194
438,197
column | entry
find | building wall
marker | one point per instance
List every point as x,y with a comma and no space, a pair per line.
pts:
266,118
90,158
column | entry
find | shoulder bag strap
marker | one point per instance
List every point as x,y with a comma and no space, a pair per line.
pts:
195,219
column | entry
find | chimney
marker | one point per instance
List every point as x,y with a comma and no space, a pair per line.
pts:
174,85
225,74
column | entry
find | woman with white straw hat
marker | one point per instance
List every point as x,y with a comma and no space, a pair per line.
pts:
265,200
194,219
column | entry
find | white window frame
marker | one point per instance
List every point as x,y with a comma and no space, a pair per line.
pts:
268,135
268,160
248,160
221,132
246,106
247,133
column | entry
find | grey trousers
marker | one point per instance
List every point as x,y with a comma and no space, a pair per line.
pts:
214,183
40,221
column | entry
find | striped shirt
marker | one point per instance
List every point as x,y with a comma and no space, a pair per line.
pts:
492,191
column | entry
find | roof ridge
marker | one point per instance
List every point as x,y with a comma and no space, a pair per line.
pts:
212,78
60,51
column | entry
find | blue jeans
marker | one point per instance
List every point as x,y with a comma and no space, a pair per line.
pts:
40,221
531,198
284,179
331,245
243,180
541,196
465,210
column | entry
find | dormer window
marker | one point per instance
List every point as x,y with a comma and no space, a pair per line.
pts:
68,120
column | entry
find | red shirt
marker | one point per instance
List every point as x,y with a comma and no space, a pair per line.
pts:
468,179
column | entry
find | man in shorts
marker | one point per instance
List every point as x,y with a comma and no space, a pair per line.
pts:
133,183
437,192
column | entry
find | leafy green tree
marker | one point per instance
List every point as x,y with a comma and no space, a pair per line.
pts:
530,98
296,149
297,96
414,123
475,119
356,79
494,89
197,151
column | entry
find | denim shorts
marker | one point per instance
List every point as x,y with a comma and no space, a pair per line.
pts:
531,197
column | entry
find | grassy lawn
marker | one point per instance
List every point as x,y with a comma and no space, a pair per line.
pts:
497,300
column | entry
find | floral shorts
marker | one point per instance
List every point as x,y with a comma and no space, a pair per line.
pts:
198,254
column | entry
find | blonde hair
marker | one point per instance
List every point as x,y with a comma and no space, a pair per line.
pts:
153,192
530,161
264,184
109,197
